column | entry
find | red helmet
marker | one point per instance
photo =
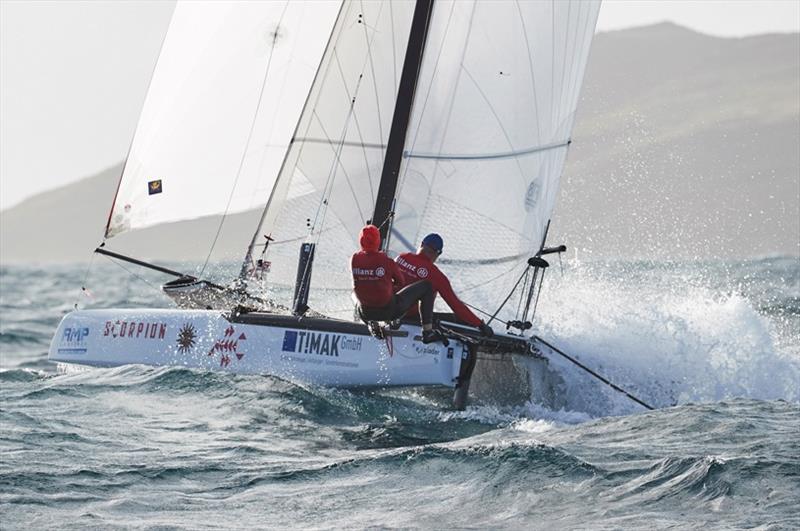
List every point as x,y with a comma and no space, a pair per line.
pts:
370,238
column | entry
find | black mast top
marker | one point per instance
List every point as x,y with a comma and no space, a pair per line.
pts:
402,115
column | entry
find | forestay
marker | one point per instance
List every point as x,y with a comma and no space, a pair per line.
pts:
223,103
493,113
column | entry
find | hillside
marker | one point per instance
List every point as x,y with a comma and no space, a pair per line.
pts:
686,146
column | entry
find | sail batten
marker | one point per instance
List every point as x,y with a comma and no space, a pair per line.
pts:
486,156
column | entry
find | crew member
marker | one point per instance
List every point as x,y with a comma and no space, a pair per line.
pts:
420,266
379,286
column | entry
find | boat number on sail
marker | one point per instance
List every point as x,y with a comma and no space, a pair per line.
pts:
319,343
73,340
135,330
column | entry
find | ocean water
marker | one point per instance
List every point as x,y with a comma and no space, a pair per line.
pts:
715,345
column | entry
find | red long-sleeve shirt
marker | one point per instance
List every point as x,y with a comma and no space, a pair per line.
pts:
419,267
376,278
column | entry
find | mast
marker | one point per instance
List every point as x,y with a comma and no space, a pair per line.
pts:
401,117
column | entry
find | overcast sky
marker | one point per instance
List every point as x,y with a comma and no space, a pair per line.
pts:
73,74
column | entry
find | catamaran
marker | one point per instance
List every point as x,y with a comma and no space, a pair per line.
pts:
447,116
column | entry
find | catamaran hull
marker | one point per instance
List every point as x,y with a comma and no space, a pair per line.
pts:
316,351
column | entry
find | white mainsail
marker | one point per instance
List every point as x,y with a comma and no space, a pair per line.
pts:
493,112
492,120
223,104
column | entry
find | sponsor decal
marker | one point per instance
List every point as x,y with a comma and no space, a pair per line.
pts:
321,343
154,187
135,330
186,337
73,340
361,272
227,346
410,267
426,349
421,272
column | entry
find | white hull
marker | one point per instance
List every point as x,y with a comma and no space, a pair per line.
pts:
318,351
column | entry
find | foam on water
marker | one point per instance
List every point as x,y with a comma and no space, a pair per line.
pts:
670,341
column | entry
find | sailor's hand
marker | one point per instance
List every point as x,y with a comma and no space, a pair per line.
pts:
486,330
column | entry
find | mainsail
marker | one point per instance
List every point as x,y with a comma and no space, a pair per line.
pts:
493,112
223,103
493,115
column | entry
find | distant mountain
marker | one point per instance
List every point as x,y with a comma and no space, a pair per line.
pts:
66,224
686,146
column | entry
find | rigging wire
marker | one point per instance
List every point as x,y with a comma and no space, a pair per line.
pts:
492,318
247,142
322,208
327,189
407,166
83,289
572,359
150,284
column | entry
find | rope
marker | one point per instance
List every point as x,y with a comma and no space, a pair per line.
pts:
508,297
247,143
83,289
580,365
158,289
593,373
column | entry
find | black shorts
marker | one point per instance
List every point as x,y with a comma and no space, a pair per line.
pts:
420,291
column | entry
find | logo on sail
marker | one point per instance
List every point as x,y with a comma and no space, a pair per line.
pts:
154,187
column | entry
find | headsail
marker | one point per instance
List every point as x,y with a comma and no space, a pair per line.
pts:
223,103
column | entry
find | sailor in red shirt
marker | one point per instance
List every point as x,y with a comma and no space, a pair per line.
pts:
420,266
379,286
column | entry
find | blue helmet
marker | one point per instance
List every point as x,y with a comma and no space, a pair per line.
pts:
434,241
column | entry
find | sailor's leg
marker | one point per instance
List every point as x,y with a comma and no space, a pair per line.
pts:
421,291
407,297
426,309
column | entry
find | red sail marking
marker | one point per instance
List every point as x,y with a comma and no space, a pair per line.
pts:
242,336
